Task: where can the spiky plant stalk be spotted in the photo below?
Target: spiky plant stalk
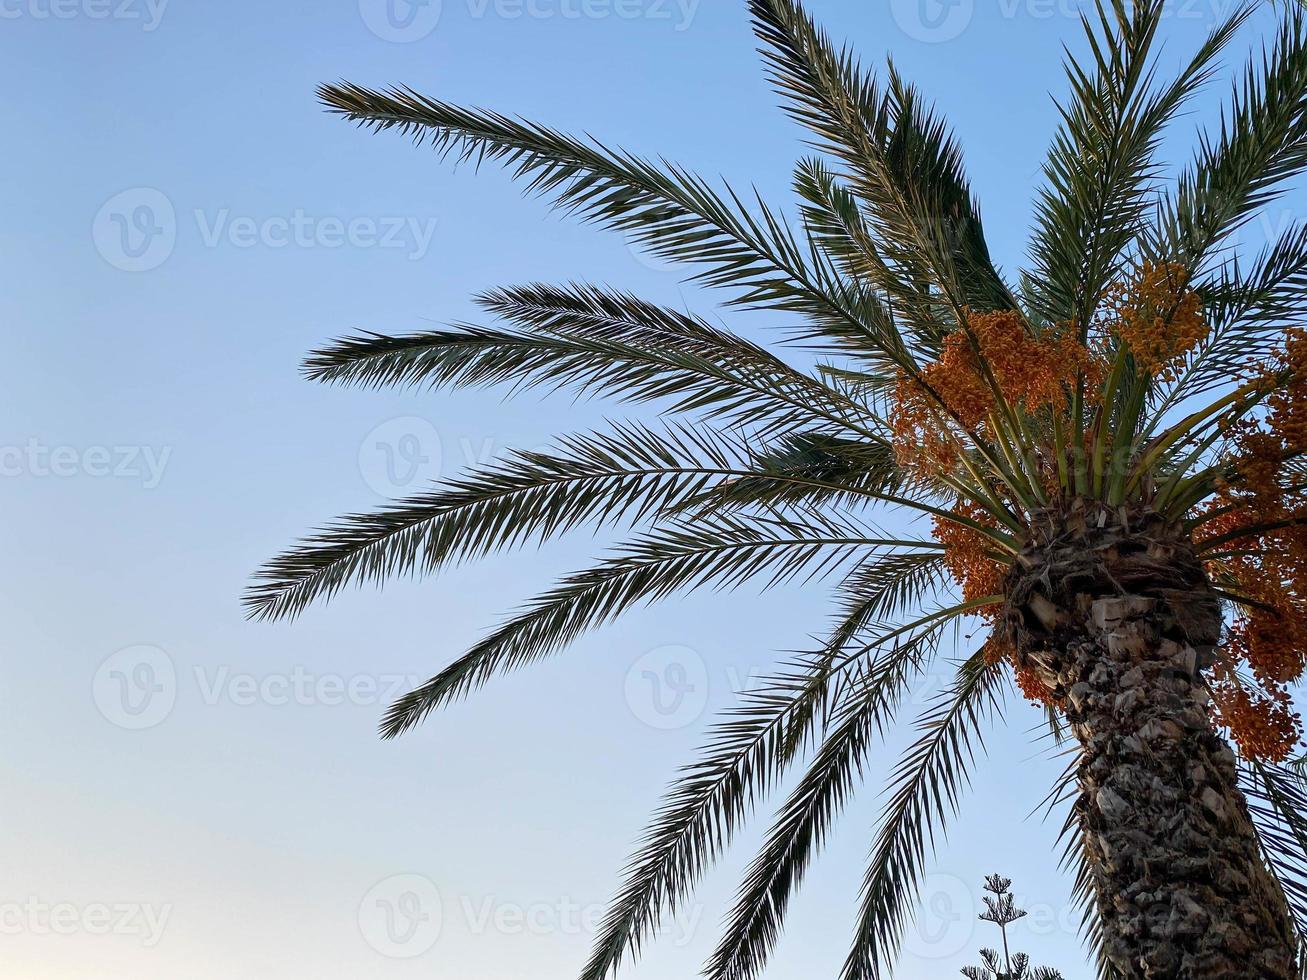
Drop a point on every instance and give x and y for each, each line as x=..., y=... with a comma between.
x=1002, y=911
x=1109, y=452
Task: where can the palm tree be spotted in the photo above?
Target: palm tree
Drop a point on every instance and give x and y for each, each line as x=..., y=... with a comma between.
x=1108, y=450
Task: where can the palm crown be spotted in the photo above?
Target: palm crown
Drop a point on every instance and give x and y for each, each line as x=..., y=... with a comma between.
x=1136, y=368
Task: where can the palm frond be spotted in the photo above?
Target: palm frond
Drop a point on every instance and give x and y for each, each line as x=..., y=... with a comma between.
x=1262, y=143
x=808, y=468
x=834, y=220
x=664, y=208
x=886, y=585
x=1277, y=800
x=897, y=156
x=745, y=756
x=619, y=478
x=925, y=790
x=594, y=341
x=594, y=313
x=804, y=820
x=626, y=474
x=1101, y=167
x=724, y=551
x=1075, y=861
x=1249, y=311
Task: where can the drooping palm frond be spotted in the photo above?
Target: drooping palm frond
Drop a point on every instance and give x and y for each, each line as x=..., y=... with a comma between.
x=628, y=472
x=1075, y=862
x=595, y=341
x=745, y=755
x=805, y=818
x=1277, y=799
x=673, y=557
x=888, y=586
x=744, y=758
x=924, y=791
x=625, y=475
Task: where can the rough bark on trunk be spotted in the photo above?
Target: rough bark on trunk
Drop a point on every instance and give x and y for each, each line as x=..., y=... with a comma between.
x=1112, y=612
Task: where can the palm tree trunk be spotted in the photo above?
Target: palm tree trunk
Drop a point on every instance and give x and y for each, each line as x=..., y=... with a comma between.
x=1182, y=890
x=1114, y=615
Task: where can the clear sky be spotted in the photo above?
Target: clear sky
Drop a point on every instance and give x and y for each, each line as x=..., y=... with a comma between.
x=186, y=794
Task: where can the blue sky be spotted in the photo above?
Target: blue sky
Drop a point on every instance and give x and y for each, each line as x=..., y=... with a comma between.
x=188, y=794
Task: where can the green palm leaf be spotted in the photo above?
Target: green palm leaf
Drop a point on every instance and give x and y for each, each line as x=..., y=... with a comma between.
x=631, y=472
x=665, y=209
x=924, y=791
x=1249, y=312
x=672, y=557
x=1101, y=168
x=806, y=816
x=898, y=158
x=596, y=341
x=1277, y=799
x=1262, y=143
x=744, y=758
